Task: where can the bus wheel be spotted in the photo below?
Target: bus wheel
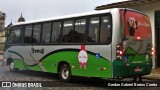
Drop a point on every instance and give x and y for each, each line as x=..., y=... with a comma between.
x=137, y=79
x=12, y=67
x=65, y=72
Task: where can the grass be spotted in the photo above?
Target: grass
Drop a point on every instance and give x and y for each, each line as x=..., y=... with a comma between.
x=1, y=47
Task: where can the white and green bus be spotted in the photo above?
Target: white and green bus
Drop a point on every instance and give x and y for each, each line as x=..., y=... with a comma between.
x=110, y=43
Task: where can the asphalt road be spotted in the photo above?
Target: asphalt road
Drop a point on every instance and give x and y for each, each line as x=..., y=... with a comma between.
x=78, y=83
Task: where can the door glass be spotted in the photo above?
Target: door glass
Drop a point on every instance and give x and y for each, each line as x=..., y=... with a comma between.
x=93, y=34
x=67, y=32
x=15, y=35
x=28, y=34
x=79, y=33
x=36, y=33
x=56, y=32
x=46, y=32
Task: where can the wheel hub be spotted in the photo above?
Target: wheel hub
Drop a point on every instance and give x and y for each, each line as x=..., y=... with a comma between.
x=11, y=65
x=65, y=73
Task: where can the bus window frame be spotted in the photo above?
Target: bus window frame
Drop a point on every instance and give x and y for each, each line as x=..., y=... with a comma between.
x=68, y=19
x=85, y=32
x=41, y=35
x=87, y=17
x=24, y=34
x=39, y=23
x=87, y=29
x=55, y=21
x=100, y=43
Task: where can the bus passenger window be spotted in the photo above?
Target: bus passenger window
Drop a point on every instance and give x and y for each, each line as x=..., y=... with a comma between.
x=46, y=33
x=105, y=31
x=15, y=35
x=67, y=32
x=36, y=33
x=28, y=34
x=93, y=34
x=56, y=32
x=79, y=33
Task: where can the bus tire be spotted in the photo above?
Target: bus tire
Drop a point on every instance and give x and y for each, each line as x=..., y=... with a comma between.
x=12, y=67
x=140, y=79
x=137, y=79
x=65, y=72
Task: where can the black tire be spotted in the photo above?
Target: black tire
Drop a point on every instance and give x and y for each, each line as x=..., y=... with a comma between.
x=12, y=67
x=140, y=79
x=65, y=72
x=137, y=79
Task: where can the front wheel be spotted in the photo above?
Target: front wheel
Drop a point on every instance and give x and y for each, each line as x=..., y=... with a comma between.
x=65, y=72
x=12, y=67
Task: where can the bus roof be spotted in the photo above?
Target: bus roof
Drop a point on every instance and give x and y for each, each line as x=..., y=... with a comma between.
x=63, y=17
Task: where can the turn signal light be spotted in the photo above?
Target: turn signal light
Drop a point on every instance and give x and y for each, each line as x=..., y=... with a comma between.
x=119, y=51
x=152, y=51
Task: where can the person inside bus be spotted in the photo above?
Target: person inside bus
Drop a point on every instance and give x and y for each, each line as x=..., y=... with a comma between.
x=68, y=37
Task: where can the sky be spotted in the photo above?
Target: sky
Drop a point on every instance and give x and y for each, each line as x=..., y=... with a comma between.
x=40, y=9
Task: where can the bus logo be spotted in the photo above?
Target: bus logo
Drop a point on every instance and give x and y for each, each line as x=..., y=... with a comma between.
x=83, y=57
x=126, y=58
x=138, y=69
x=37, y=51
x=97, y=55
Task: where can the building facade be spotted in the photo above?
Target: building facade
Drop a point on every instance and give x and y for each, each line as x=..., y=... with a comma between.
x=5, y=30
x=2, y=26
x=150, y=8
x=21, y=19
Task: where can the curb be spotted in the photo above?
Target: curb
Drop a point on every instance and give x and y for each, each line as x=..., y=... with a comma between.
x=151, y=78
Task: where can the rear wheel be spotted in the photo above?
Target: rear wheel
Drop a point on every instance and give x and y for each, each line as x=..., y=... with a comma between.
x=12, y=67
x=137, y=78
x=65, y=72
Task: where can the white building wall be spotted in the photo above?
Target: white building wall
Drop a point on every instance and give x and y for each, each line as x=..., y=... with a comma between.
x=149, y=9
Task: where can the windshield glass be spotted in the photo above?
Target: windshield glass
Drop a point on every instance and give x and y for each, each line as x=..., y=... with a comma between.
x=137, y=25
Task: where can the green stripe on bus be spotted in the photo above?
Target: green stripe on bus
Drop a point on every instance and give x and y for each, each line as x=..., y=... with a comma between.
x=16, y=54
x=92, y=68
x=19, y=63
